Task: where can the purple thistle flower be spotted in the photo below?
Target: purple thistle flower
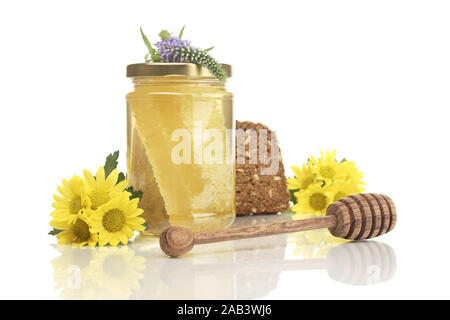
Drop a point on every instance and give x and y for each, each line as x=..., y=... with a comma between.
x=169, y=48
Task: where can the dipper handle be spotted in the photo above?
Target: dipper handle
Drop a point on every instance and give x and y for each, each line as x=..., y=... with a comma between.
x=176, y=240
x=264, y=230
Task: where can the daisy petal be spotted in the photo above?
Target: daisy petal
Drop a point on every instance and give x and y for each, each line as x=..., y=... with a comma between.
x=112, y=179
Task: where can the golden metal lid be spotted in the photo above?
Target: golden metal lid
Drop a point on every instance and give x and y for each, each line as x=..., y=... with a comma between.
x=160, y=69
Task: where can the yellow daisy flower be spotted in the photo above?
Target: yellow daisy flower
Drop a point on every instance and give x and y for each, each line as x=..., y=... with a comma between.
x=116, y=220
x=322, y=181
x=315, y=199
x=349, y=171
x=326, y=166
x=78, y=234
x=68, y=205
x=99, y=190
x=303, y=177
x=344, y=188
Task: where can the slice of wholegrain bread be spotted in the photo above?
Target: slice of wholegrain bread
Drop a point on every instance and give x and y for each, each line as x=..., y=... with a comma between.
x=260, y=181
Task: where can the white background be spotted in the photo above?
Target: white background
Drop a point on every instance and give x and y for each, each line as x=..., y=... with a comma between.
x=369, y=78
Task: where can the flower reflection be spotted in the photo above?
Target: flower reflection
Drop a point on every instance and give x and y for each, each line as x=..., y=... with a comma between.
x=69, y=272
x=314, y=243
x=97, y=273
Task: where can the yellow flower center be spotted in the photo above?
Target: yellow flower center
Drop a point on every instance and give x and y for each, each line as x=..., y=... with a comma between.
x=113, y=220
x=75, y=205
x=307, y=181
x=339, y=195
x=81, y=231
x=98, y=198
x=327, y=172
x=318, y=201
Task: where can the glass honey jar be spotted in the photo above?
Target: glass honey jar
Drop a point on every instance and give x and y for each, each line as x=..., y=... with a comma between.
x=180, y=146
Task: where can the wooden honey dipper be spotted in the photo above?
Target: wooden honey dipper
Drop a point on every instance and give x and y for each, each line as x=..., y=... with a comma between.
x=356, y=217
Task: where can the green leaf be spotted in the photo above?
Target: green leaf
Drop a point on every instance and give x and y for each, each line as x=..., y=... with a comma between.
x=209, y=49
x=151, y=50
x=289, y=213
x=156, y=57
x=152, y=57
x=111, y=163
x=146, y=226
x=164, y=34
x=181, y=32
x=121, y=177
x=135, y=193
x=54, y=232
x=293, y=197
x=343, y=160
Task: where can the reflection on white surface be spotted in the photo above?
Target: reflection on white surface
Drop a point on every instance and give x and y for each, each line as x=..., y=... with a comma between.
x=241, y=269
x=97, y=273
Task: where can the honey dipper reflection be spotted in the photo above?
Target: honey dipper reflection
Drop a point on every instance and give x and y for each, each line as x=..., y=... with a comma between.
x=252, y=269
x=174, y=278
x=355, y=263
x=257, y=265
x=360, y=263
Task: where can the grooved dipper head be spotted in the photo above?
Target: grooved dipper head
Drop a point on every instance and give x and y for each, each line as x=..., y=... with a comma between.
x=363, y=216
x=176, y=241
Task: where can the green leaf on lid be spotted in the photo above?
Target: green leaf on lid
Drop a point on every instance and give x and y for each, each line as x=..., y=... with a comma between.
x=181, y=32
x=151, y=50
x=164, y=34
